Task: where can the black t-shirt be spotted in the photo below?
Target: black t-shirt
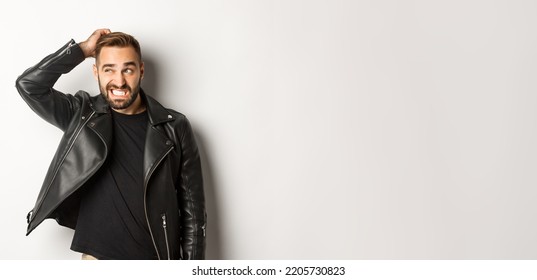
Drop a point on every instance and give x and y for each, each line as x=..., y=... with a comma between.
x=111, y=222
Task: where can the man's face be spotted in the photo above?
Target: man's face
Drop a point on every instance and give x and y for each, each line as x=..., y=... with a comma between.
x=119, y=72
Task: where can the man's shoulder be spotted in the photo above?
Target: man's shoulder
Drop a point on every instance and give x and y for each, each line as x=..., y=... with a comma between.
x=85, y=96
x=95, y=102
x=82, y=97
x=159, y=112
x=176, y=114
x=179, y=120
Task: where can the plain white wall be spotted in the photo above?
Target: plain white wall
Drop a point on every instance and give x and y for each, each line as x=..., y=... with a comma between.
x=328, y=129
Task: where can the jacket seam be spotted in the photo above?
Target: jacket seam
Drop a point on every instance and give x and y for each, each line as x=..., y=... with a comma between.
x=191, y=204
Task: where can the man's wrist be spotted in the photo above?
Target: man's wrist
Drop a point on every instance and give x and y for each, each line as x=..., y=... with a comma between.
x=83, y=47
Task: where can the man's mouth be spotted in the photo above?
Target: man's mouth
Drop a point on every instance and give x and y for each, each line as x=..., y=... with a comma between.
x=119, y=92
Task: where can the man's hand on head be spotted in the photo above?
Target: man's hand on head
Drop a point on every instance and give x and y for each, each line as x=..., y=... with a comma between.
x=88, y=46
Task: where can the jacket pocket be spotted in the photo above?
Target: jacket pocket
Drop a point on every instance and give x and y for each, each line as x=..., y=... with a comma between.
x=165, y=229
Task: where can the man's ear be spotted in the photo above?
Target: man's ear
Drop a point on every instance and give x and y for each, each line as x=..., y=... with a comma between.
x=142, y=70
x=95, y=72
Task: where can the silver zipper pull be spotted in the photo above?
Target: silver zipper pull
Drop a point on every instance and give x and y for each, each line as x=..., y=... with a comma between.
x=165, y=235
x=29, y=216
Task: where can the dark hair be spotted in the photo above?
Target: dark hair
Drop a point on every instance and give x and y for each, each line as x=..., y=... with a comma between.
x=117, y=39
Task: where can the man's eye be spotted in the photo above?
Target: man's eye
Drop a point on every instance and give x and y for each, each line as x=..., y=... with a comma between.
x=128, y=71
x=107, y=70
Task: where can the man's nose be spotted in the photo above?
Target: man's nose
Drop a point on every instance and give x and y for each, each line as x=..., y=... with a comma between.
x=119, y=79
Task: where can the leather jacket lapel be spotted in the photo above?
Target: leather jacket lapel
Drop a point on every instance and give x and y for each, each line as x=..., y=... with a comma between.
x=158, y=144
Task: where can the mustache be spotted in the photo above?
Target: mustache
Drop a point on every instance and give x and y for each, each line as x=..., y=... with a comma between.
x=112, y=87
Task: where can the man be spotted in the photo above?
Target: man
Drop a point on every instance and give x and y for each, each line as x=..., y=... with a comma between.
x=127, y=174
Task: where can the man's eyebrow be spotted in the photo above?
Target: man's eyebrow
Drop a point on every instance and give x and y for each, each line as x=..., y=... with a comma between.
x=128, y=63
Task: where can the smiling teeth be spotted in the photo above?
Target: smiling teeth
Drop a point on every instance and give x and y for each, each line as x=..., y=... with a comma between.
x=118, y=92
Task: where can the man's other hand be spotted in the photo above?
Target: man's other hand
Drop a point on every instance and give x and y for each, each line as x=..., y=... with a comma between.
x=88, y=46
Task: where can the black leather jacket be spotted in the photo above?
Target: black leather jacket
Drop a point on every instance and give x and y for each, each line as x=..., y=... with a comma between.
x=174, y=198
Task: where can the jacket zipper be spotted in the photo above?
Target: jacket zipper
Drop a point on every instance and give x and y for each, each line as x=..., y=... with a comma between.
x=166, y=234
x=37, y=208
x=145, y=199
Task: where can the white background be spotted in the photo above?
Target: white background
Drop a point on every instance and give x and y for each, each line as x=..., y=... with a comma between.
x=328, y=129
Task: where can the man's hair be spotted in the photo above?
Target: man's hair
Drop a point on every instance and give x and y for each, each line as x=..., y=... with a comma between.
x=117, y=39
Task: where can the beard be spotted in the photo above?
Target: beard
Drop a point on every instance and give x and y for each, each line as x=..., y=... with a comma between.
x=120, y=104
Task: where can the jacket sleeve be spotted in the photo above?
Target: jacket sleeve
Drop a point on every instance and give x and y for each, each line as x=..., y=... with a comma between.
x=35, y=85
x=191, y=198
